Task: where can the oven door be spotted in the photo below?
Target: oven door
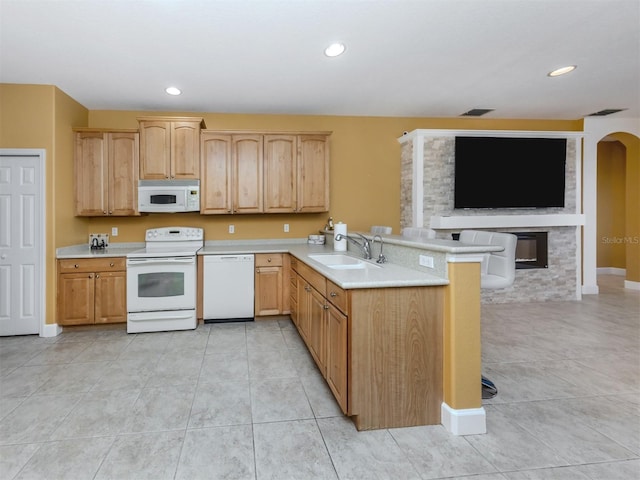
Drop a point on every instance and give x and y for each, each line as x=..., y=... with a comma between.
x=161, y=284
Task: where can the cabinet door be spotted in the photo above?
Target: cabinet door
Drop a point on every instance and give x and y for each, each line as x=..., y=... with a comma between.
x=317, y=330
x=185, y=150
x=313, y=173
x=75, y=298
x=91, y=174
x=304, y=297
x=337, y=355
x=123, y=149
x=280, y=173
x=268, y=294
x=155, y=150
x=110, y=297
x=247, y=154
x=215, y=166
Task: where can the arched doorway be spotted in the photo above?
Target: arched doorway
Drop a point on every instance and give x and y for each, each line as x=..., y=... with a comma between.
x=617, y=139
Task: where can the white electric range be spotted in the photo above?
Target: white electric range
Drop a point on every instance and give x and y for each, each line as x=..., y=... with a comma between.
x=161, y=281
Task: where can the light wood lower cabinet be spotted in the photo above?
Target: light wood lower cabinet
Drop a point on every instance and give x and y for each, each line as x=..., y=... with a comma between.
x=91, y=291
x=379, y=349
x=268, y=284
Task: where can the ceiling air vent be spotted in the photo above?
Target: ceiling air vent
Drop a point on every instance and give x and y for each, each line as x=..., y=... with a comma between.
x=606, y=111
x=476, y=112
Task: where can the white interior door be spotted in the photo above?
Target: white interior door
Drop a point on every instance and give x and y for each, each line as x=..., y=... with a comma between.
x=21, y=241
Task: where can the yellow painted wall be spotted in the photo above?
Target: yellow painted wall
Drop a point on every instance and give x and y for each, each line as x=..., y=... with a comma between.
x=364, y=171
x=611, y=251
x=33, y=116
x=632, y=205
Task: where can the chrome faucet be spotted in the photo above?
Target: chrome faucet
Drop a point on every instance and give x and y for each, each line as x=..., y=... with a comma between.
x=381, y=257
x=365, y=245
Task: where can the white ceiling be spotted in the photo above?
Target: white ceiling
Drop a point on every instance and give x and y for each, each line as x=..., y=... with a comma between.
x=422, y=58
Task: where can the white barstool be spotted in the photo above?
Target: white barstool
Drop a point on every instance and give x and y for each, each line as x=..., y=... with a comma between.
x=498, y=270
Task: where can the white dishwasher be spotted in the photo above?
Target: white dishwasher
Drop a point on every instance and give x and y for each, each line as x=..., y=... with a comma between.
x=228, y=289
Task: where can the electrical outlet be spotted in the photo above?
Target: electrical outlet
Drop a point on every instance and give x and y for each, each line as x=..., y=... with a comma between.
x=232, y=229
x=114, y=231
x=426, y=261
x=286, y=228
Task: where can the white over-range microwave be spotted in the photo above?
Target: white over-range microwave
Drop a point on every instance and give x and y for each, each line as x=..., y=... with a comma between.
x=168, y=196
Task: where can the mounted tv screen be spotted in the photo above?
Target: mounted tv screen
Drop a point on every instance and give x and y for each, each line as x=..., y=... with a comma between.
x=502, y=172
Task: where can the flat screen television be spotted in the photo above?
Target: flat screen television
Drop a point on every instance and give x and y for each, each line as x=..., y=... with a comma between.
x=506, y=172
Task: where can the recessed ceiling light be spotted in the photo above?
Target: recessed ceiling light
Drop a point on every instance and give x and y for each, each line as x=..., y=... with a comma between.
x=561, y=71
x=173, y=90
x=334, y=50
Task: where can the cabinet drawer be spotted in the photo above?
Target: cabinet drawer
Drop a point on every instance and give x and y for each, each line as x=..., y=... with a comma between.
x=69, y=265
x=337, y=296
x=316, y=280
x=269, y=260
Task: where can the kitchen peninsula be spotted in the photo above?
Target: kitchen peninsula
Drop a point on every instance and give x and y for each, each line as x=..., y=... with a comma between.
x=398, y=343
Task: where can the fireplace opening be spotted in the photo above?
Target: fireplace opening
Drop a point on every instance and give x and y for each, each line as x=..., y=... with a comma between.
x=531, y=250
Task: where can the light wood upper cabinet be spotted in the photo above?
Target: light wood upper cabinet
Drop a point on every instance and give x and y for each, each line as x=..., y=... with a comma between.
x=249, y=172
x=231, y=173
x=106, y=172
x=216, y=170
x=313, y=173
x=280, y=152
x=247, y=154
x=170, y=147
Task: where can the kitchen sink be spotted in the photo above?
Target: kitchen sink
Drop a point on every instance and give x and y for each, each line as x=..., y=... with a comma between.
x=341, y=262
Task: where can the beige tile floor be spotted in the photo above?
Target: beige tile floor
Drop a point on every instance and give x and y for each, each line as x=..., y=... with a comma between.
x=240, y=401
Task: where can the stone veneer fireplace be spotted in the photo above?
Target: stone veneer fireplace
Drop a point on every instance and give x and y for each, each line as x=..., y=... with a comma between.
x=427, y=186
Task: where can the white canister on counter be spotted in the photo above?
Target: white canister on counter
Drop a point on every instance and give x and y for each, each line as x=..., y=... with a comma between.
x=340, y=245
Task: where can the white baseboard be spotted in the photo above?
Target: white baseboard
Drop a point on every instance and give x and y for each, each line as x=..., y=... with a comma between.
x=611, y=271
x=469, y=421
x=590, y=289
x=50, y=330
x=631, y=285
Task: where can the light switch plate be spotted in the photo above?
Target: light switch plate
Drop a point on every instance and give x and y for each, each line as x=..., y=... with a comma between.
x=99, y=237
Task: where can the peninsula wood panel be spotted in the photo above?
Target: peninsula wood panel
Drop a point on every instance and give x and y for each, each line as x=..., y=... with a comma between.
x=395, y=338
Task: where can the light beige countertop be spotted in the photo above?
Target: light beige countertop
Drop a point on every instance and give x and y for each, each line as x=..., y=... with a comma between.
x=83, y=251
x=377, y=276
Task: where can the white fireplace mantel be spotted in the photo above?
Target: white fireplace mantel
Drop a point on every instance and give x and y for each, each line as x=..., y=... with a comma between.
x=505, y=221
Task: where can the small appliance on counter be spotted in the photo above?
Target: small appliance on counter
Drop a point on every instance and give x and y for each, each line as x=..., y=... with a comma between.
x=98, y=241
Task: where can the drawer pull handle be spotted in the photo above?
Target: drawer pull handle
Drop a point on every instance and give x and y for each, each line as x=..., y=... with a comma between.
x=333, y=294
x=76, y=266
x=111, y=264
x=269, y=259
x=257, y=270
x=97, y=275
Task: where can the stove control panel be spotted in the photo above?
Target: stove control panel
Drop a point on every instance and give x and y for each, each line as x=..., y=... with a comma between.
x=174, y=234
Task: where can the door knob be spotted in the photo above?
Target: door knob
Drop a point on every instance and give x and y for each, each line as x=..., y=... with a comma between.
x=3, y=256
